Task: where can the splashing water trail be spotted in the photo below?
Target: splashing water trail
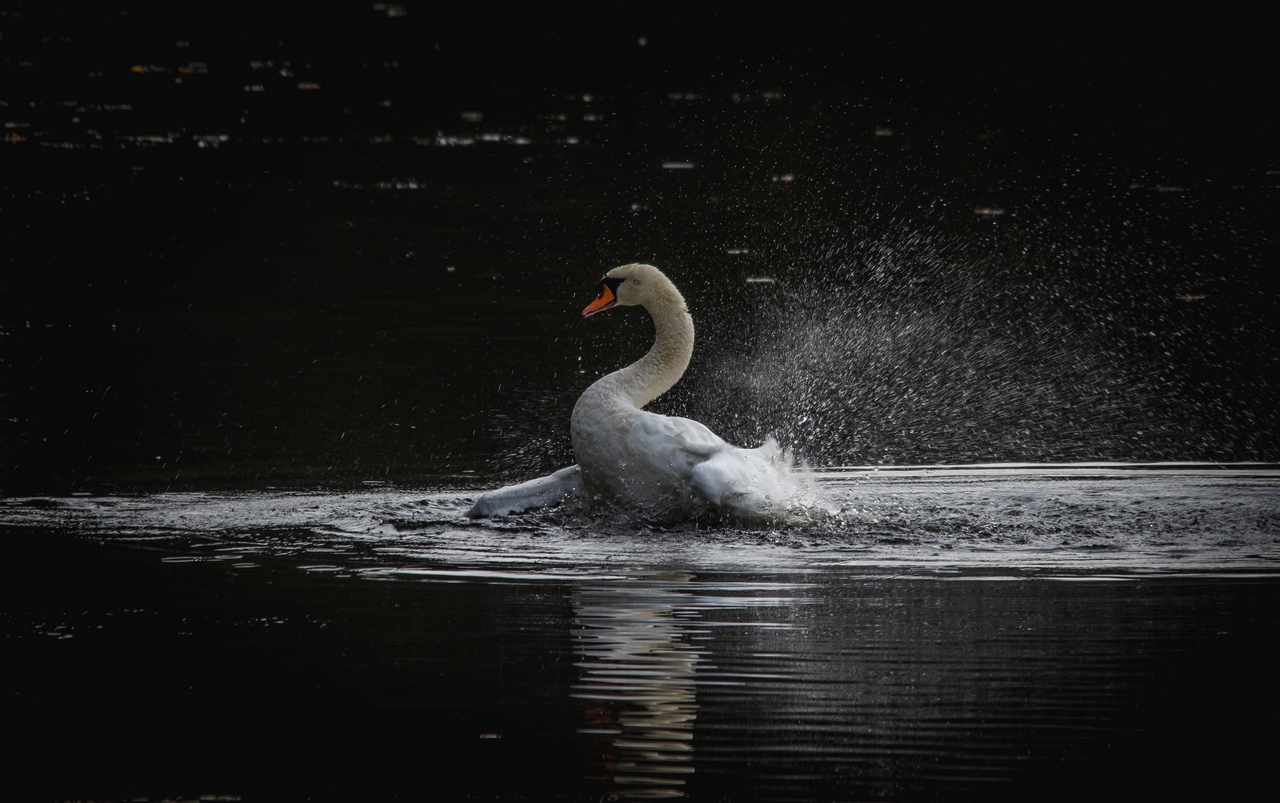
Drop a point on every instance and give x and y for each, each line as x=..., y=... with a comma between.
x=910, y=349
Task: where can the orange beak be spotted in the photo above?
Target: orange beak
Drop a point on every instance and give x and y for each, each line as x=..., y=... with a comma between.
x=603, y=301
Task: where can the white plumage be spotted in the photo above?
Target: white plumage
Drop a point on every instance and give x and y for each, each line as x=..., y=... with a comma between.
x=640, y=462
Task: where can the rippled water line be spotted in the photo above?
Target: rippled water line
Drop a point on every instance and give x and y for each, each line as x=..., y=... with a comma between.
x=1012, y=523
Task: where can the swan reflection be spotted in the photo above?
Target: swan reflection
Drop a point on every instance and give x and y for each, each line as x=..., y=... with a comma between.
x=638, y=676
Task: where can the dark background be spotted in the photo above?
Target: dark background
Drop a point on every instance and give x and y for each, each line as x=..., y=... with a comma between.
x=208, y=286
x=214, y=278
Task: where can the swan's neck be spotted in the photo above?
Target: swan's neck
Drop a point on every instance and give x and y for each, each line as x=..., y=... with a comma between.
x=654, y=373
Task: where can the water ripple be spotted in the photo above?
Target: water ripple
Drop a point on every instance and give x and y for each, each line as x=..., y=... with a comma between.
x=1096, y=520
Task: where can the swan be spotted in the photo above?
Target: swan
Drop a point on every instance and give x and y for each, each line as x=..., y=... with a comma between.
x=657, y=466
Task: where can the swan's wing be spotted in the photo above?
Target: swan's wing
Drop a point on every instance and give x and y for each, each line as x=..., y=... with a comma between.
x=666, y=462
x=646, y=458
x=542, y=492
x=742, y=479
x=684, y=433
x=752, y=481
x=756, y=481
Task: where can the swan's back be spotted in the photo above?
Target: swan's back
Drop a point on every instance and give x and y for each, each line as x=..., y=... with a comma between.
x=667, y=467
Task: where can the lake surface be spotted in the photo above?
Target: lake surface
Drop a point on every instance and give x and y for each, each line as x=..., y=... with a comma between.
x=278, y=300
x=964, y=633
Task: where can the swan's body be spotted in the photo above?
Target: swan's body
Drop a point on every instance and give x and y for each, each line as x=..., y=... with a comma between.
x=655, y=465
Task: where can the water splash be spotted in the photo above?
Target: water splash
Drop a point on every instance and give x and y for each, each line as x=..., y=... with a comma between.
x=901, y=345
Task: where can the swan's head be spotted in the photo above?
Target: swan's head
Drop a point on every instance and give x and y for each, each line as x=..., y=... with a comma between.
x=629, y=286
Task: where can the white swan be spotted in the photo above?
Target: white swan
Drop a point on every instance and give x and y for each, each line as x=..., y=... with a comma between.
x=655, y=465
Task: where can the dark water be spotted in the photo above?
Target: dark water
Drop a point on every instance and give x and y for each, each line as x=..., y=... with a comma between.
x=280, y=292
x=138, y=672
x=981, y=633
